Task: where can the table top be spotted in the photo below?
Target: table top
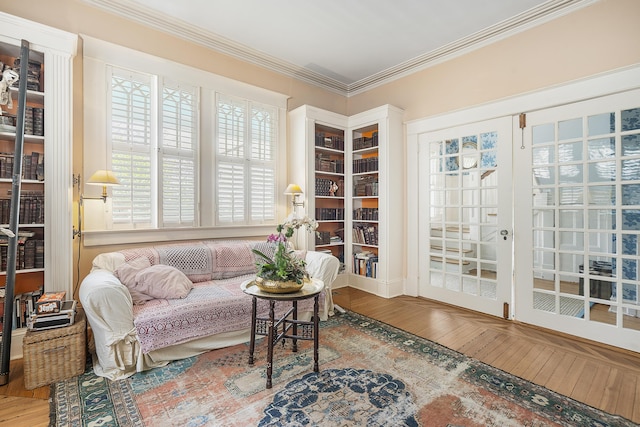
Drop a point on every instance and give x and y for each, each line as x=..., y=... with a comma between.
x=308, y=290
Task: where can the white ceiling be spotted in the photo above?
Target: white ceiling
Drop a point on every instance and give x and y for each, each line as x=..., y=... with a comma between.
x=346, y=46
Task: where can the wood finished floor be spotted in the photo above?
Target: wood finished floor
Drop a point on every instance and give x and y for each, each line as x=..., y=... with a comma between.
x=601, y=376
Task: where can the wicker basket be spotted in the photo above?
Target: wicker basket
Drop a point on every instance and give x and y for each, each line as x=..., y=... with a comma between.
x=54, y=354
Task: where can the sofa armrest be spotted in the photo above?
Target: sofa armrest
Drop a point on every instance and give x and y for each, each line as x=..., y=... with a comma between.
x=109, y=310
x=324, y=267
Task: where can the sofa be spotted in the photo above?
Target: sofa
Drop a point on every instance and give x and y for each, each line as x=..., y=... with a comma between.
x=151, y=305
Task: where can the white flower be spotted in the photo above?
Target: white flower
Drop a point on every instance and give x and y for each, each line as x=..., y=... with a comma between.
x=293, y=222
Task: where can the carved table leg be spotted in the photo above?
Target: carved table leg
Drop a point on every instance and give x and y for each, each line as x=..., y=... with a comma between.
x=252, y=344
x=270, y=342
x=295, y=326
x=316, y=333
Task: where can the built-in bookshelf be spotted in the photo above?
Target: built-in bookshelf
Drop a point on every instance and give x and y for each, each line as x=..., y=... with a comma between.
x=30, y=255
x=317, y=142
x=369, y=238
x=44, y=259
x=376, y=225
x=329, y=190
x=364, y=201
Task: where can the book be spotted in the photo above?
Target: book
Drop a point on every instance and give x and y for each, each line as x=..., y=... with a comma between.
x=50, y=302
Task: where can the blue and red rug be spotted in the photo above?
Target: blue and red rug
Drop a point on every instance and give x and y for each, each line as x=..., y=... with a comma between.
x=371, y=374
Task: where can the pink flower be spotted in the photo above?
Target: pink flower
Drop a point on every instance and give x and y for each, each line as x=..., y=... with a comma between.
x=274, y=238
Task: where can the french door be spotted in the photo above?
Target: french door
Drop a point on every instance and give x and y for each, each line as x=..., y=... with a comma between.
x=577, y=222
x=465, y=218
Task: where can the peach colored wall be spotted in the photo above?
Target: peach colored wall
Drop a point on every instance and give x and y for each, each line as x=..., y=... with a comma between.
x=592, y=40
x=589, y=41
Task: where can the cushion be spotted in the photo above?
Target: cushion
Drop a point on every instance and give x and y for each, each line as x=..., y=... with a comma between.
x=193, y=259
x=127, y=272
x=163, y=282
x=233, y=260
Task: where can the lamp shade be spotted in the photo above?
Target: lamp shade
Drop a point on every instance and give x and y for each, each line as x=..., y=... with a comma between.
x=103, y=177
x=293, y=189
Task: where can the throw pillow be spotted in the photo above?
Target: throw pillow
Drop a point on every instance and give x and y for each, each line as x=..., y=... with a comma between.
x=163, y=282
x=126, y=273
x=233, y=260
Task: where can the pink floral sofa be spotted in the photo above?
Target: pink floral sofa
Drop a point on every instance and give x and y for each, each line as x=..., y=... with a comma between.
x=148, y=306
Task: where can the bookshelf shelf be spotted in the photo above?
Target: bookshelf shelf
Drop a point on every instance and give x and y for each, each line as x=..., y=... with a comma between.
x=25, y=271
x=34, y=139
x=328, y=245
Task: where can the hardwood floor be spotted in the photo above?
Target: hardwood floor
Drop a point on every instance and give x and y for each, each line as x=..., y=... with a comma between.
x=601, y=376
x=20, y=407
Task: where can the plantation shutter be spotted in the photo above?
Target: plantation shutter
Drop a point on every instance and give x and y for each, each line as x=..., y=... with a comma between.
x=245, y=161
x=262, y=164
x=178, y=156
x=130, y=127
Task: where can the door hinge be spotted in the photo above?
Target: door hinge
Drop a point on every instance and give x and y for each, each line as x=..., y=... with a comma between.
x=523, y=120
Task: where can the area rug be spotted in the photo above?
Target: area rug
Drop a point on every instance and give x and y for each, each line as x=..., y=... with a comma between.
x=371, y=374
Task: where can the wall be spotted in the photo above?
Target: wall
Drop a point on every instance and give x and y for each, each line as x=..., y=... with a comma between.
x=592, y=40
x=589, y=41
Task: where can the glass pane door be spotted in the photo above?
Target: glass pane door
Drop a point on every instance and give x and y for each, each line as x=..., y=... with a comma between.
x=577, y=253
x=465, y=216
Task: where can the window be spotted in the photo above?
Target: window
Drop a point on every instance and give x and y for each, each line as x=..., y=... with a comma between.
x=198, y=155
x=245, y=161
x=156, y=169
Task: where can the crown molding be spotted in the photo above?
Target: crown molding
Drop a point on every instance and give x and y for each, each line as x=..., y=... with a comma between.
x=171, y=25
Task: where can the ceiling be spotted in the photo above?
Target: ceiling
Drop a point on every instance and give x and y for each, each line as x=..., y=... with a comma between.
x=346, y=46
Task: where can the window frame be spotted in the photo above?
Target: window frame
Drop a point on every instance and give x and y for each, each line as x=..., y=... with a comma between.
x=97, y=229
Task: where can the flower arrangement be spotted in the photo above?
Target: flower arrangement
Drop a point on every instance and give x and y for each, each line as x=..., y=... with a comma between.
x=285, y=266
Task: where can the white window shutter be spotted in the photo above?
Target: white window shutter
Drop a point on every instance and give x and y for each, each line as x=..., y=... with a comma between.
x=131, y=156
x=178, y=155
x=245, y=145
x=231, y=184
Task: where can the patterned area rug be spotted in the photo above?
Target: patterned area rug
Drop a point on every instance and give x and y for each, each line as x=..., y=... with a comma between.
x=371, y=374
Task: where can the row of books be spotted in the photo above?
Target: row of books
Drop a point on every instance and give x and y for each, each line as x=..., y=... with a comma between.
x=367, y=164
x=329, y=214
x=34, y=69
x=329, y=187
x=365, y=264
x=325, y=237
x=365, y=142
x=38, y=310
x=30, y=253
x=34, y=121
x=335, y=142
x=23, y=308
x=365, y=234
x=326, y=164
x=31, y=209
x=365, y=186
x=32, y=166
x=365, y=214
